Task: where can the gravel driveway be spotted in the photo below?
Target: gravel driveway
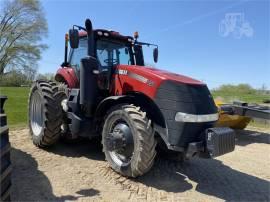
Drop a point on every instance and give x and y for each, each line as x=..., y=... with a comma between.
x=78, y=172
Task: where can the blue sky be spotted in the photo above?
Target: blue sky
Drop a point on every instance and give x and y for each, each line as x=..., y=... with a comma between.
x=187, y=32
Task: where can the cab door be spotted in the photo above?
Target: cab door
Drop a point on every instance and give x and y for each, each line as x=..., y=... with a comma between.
x=77, y=54
x=110, y=54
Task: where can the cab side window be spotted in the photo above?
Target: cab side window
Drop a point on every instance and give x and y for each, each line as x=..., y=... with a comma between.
x=78, y=53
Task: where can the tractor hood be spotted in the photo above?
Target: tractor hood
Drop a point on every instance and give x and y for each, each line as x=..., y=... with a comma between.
x=171, y=94
x=148, y=80
x=157, y=75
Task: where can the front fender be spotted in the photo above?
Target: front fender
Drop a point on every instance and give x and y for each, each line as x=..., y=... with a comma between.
x=108, y=102
x=141, y=100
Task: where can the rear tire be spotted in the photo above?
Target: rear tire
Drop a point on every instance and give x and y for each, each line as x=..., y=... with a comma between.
x=5, y=158
x=45, y=113
x=144, y=142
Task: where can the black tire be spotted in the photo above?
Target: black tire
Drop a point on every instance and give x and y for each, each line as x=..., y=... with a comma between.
x=143, y=136
x=5, y=155
x=45, y=113
x=61, y=93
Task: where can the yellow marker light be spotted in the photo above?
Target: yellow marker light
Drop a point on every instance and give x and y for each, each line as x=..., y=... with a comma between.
x=66, y=37
x=136, y=35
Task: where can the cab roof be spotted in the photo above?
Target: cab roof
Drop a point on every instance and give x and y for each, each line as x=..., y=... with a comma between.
x=107, y=33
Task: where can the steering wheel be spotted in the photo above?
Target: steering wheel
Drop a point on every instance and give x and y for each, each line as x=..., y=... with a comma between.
x=111, y=61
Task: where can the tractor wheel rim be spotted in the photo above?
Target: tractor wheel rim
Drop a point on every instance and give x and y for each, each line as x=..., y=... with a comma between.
x=123, y=155
x=36, y=114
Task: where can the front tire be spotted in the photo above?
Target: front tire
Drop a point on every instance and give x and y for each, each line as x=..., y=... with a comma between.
x=45, y=113
x=128, y=140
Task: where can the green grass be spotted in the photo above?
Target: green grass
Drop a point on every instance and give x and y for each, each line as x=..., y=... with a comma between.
x=16, y=105
x=230, y=97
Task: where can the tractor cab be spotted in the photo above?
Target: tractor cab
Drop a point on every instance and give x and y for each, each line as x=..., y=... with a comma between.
x=109, y=48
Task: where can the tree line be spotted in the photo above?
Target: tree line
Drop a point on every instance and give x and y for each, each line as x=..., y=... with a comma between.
x=22, y=27
x=241, y=88
x=17, y=78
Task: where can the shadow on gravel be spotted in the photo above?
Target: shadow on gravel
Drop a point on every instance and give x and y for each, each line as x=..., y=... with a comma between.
x=91, y=149
x=165, y=176
x=212, y=178
x=245, y=137
x=211, y=175
x=219, y=180
x=31, y=184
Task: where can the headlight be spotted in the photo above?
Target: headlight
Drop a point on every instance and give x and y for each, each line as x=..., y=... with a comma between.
x=194, y=118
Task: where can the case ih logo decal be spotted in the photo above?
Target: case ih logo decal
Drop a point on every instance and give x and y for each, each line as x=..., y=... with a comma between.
x=135, y=76
x=122, y=72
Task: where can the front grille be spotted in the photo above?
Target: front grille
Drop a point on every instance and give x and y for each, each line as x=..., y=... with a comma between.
x=175, y=97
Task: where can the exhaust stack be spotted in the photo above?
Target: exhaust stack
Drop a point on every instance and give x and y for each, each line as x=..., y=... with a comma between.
x=88, y=75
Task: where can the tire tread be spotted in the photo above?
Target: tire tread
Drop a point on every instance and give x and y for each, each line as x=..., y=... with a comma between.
x=145, y=153
x=52, y=110
x=6, y=168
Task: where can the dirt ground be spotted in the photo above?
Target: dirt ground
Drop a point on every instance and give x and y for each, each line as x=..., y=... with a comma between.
x=78, y=171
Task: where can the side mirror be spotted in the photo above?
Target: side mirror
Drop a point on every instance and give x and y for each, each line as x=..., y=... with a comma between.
x=74, y=38
x=155, y=54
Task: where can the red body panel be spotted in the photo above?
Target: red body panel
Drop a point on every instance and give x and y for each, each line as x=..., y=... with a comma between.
x=145, y=80
x=131, y=78
x=69, y=76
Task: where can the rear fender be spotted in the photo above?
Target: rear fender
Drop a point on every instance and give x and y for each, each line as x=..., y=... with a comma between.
x=67, y=75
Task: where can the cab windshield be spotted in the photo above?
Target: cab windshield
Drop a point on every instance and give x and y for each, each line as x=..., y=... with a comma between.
x=110, y=53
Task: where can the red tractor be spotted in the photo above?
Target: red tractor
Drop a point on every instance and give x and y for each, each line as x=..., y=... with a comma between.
x=105, y=90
